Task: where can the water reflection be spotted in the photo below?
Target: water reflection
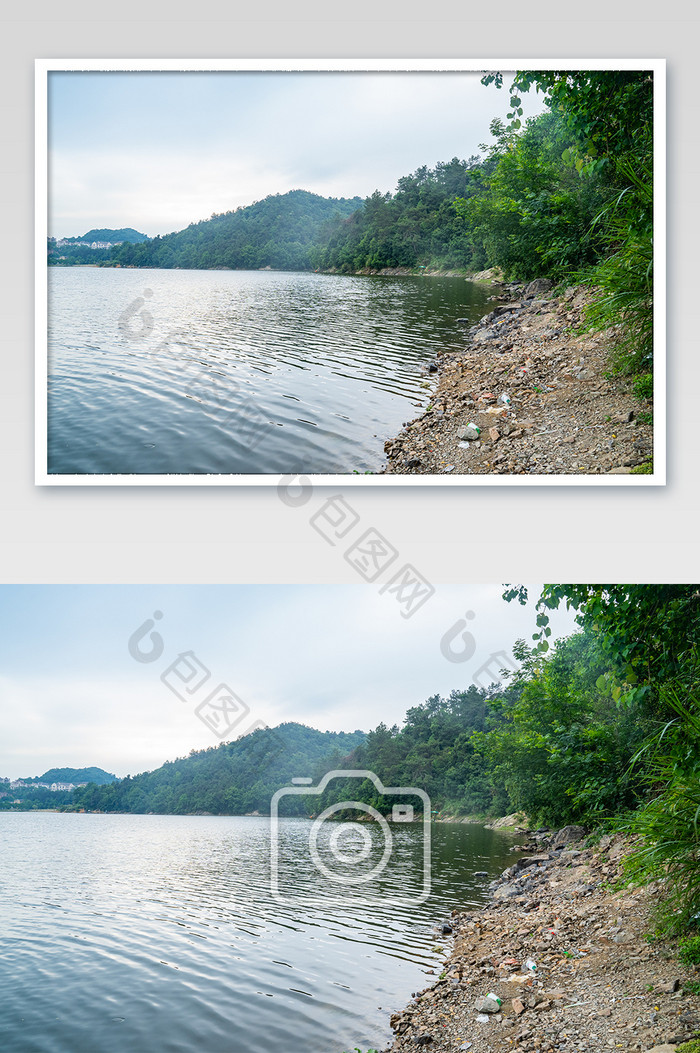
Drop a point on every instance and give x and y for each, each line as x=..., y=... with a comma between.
x=241, y=372
x=159, y=933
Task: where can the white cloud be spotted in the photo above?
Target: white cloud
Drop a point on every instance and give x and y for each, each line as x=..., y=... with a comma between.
x=159, y=154
x=337, y=658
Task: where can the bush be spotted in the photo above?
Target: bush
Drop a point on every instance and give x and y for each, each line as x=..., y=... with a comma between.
x=667, y=825
x=624, y=277
x=689, y=950
x=643, y=386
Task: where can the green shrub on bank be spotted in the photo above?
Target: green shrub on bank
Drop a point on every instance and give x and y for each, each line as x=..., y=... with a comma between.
x=624, y=277
x=643, y=386
x=667, y=825
x=689, y=950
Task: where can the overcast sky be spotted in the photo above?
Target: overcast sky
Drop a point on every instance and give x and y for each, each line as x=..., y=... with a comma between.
x=334, y=657
x=159, y=150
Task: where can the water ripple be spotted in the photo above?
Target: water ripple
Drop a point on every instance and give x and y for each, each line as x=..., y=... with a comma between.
x=206, y=389
x=159, y=934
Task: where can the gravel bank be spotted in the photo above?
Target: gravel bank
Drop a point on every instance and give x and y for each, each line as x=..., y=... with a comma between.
x=598, y=982
x=539, y=394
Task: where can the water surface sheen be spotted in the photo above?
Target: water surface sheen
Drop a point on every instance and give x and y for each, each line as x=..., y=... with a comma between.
x=158, y=934
x=229, y=372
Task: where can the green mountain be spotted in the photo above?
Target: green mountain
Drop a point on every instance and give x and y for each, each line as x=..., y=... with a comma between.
x=106, y=234
x=276, y=232
x=233, y=778
x=75, y=775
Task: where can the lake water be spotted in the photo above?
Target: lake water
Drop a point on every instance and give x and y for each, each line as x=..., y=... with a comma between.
x=240, y=372
x=159, y=934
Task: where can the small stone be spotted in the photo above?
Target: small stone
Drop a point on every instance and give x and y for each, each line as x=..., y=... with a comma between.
x=423, y=1040
x=488, y=1004
x=666, y=988
x=494, y=434
x=518, y=1007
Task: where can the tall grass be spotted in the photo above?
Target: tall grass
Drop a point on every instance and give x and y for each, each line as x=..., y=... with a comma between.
x=666, y=827
x=624, y=277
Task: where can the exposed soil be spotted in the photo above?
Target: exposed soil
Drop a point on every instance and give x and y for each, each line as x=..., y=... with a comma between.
x=599, y=981
x=541, y=395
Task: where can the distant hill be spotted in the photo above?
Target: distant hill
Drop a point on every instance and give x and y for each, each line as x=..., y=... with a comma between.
x=70, y=252
x=233, y=778
x=75, y=775
x=106, y=234
x=277, y=232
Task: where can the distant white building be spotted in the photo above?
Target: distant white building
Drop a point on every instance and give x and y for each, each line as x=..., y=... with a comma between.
x=62, y=786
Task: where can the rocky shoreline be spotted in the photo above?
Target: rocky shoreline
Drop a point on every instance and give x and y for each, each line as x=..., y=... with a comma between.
x=559, y=960
x=540, y=395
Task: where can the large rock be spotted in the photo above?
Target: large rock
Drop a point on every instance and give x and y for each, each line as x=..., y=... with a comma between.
x=529, y=861
x=567, y=834
x=503, y=892
x=537, y=287
x=515, y=819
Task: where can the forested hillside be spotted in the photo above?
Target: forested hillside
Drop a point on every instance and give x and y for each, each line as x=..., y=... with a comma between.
x=276, y=232
x=230, y=779
x=109, y=234
x=417, y=226
x=74, y=775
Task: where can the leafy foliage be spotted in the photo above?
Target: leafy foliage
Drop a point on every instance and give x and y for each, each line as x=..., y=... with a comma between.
x=609, y=114
x=624, y=276
x=667, y=823
x=647, y=637
x=417, y=226
x=530, y=212
x=432, y=751
x=647, y=631
x=560, y=748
